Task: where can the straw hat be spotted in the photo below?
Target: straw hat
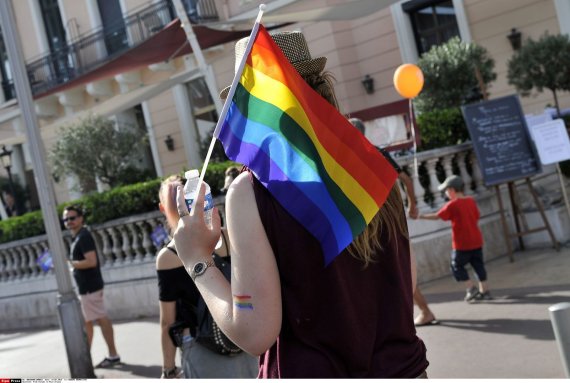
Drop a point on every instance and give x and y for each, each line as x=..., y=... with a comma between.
x=295, y=48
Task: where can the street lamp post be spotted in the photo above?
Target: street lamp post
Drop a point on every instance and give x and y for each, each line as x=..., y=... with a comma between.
x=69, y=310
x=6, y=158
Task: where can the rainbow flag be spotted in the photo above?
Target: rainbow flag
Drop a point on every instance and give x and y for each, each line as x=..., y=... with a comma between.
x=310, y=158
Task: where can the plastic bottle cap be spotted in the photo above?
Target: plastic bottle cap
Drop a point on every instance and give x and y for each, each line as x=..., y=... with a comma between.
x=194, y=173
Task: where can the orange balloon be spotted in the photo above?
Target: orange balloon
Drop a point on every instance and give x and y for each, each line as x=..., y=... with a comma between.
x=408, y=80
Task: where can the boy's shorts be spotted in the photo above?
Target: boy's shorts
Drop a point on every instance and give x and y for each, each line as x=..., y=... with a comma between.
x=461, y=258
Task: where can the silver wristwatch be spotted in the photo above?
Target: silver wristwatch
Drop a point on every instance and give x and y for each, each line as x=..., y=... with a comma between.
x=200, y=268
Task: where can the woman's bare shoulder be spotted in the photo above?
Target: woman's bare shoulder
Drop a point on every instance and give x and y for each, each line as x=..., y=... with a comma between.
x=167, y=259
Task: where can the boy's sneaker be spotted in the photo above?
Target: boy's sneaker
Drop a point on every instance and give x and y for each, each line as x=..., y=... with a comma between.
x=109, y=362
x=486, y=296
x=471, y=294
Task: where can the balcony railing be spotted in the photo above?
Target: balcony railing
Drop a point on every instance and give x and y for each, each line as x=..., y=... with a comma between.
x=91, y=50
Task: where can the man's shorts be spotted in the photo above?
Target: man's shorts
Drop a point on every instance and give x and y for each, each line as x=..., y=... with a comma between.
x=93, y=306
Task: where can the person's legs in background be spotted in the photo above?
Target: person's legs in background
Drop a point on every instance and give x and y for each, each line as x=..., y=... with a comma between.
x=108, y=335
x=458, y=261
x=425, y=317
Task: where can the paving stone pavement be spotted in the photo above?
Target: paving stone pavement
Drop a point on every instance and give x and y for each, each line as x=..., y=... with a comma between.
x=509, y=337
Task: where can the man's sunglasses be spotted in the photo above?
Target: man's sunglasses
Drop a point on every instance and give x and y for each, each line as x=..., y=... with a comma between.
x=70, y=219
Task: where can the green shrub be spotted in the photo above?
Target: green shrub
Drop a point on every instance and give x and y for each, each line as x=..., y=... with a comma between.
x=24, y=226
x=442, y=127
x=540, y=65
x=102, y=207
x=449, y=73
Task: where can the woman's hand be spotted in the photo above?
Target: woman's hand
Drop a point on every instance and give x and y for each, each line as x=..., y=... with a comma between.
x=194, y=240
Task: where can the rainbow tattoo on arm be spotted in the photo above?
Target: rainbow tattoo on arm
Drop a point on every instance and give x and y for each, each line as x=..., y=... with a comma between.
x=243, y=302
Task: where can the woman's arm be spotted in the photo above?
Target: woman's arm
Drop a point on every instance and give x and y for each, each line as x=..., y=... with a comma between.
x=167, y=318
x=248, y=311
x=409, y=186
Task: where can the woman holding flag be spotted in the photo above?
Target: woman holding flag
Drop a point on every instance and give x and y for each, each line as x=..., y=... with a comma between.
x=321, y=273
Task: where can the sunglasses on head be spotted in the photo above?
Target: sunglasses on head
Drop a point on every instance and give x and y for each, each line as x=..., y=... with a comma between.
x=70, y=219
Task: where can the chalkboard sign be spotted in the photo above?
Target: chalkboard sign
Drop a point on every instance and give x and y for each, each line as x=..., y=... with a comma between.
x=501, y=140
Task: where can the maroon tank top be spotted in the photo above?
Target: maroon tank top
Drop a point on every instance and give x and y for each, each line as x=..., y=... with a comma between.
x=339, y=321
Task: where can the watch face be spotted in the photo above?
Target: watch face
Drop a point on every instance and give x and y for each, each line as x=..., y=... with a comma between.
x=199, y=268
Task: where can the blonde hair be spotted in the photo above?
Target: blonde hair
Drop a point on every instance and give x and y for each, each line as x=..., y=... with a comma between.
x=322, y=83
x=391, y=217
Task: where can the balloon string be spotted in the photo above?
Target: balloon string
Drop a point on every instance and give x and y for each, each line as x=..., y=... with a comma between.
x=415, y=145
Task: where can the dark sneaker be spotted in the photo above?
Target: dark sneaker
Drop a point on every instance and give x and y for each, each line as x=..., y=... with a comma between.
x=486, y=296
x=109, y=362
x=471, y=294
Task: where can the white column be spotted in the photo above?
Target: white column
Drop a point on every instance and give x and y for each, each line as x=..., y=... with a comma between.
x=462, y=21
x=96, y=23
x=404, y=33
x=38, y=24
x=152, y=138
x=63, y=14
x=190, y=136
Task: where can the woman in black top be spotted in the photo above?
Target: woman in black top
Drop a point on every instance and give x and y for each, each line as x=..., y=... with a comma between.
x=179, y=297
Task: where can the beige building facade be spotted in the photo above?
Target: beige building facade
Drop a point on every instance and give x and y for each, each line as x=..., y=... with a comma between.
x=107, y=72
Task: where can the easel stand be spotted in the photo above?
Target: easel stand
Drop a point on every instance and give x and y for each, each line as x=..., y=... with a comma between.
x=519, y=215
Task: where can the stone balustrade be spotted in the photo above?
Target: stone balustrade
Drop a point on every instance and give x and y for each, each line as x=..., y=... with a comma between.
x=124, y=241
x=127, y=241
x=439, y=164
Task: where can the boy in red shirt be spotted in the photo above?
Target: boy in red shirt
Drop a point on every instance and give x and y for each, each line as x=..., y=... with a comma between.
x=466, y=237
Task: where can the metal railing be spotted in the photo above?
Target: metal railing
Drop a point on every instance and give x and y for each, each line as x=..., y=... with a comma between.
x=98, y=47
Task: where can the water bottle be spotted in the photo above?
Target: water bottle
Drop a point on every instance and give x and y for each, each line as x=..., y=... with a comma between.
x=191, y=192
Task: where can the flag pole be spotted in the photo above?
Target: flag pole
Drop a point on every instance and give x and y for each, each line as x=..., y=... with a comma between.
x=227, y=103
x=415, y=145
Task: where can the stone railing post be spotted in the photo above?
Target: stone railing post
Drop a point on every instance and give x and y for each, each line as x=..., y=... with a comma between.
x=37, y=250
x=126, y=244
x=433, y=181
x=4, y=271
x=31, y=264
x=115, y=246
x=477, y=176
x=461, y=156
x=419, y=191
x=136, y=243
x=15, y=264
x=447, y=165
x=146, y=243
x=105, y=248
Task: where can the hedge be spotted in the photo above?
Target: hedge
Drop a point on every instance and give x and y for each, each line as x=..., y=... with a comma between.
x=442, y=127
x=102, y=207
